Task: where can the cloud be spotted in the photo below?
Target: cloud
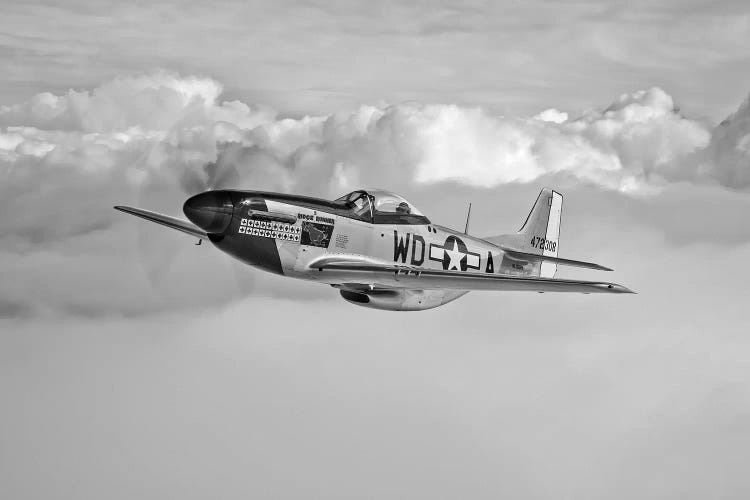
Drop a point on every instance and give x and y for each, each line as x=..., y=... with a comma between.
x=727, y=157
x=151, y=140
x=508, y=56
x=151, y=102
x=637, y=144
x=640, y=142
x=645, y=394
x=484, y=399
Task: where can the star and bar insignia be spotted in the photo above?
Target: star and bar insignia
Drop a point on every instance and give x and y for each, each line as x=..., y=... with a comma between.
x=454, y=255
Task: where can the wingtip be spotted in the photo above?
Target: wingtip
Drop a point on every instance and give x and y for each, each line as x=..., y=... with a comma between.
x=615, y=288
x=126, y=209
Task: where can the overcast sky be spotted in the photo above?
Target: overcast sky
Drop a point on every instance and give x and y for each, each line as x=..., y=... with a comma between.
x=134, y=364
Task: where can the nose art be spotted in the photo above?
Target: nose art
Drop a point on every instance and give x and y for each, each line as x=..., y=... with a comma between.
x=210, y=211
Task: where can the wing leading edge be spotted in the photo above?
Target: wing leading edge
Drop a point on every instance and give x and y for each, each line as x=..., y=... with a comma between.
x=165, y=220
x=419, y=278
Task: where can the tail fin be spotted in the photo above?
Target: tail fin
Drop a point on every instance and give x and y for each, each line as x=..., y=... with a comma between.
x=540, y=234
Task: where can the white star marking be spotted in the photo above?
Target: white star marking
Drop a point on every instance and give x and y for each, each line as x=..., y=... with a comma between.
x=455, y=255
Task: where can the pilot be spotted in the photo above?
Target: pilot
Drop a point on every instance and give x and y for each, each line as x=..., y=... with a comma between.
x=361, y=206
x=403, y=208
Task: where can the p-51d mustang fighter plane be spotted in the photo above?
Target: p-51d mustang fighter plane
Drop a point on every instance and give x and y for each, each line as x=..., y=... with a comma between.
x=377, y=248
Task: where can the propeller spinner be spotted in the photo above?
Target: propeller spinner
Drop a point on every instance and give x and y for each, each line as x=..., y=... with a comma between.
x=210, y=211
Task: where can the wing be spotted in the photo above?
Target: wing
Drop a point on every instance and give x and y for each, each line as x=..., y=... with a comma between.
x=351, y=268
x=165, y=220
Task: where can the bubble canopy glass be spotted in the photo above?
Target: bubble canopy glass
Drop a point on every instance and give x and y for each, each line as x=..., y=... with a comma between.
x=381, y=207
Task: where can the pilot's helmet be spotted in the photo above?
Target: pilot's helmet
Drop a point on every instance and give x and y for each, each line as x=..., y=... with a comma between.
x=403, y=208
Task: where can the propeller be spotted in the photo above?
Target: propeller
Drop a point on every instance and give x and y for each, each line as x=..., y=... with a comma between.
x=185, y=160
x=219, y=174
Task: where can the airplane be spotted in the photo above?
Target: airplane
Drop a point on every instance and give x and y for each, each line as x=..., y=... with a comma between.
x=378, y=249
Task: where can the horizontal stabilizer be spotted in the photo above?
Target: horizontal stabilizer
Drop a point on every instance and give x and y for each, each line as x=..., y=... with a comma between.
x=165, y=220
x=517, y=254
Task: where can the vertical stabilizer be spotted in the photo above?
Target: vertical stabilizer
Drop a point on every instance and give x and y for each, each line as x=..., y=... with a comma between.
x=540, y=233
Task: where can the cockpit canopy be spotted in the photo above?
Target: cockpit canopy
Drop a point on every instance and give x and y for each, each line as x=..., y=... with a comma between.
x=381, y=207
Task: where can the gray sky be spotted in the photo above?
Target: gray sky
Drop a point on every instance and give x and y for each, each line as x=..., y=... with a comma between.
x=134, y=364
x=513, y=57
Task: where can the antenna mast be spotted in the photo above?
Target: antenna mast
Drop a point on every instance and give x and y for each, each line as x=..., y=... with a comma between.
x=468, y=216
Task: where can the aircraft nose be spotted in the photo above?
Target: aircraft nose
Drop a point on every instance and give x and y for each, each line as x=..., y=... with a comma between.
x=210, y=211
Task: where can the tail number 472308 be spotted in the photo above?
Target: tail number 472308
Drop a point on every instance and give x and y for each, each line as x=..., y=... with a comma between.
x=543, y=244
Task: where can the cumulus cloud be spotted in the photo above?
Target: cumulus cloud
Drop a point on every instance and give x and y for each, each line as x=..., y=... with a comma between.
x=152, y=102
x=729, y=149
x=152, y=139
x=638, y=143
